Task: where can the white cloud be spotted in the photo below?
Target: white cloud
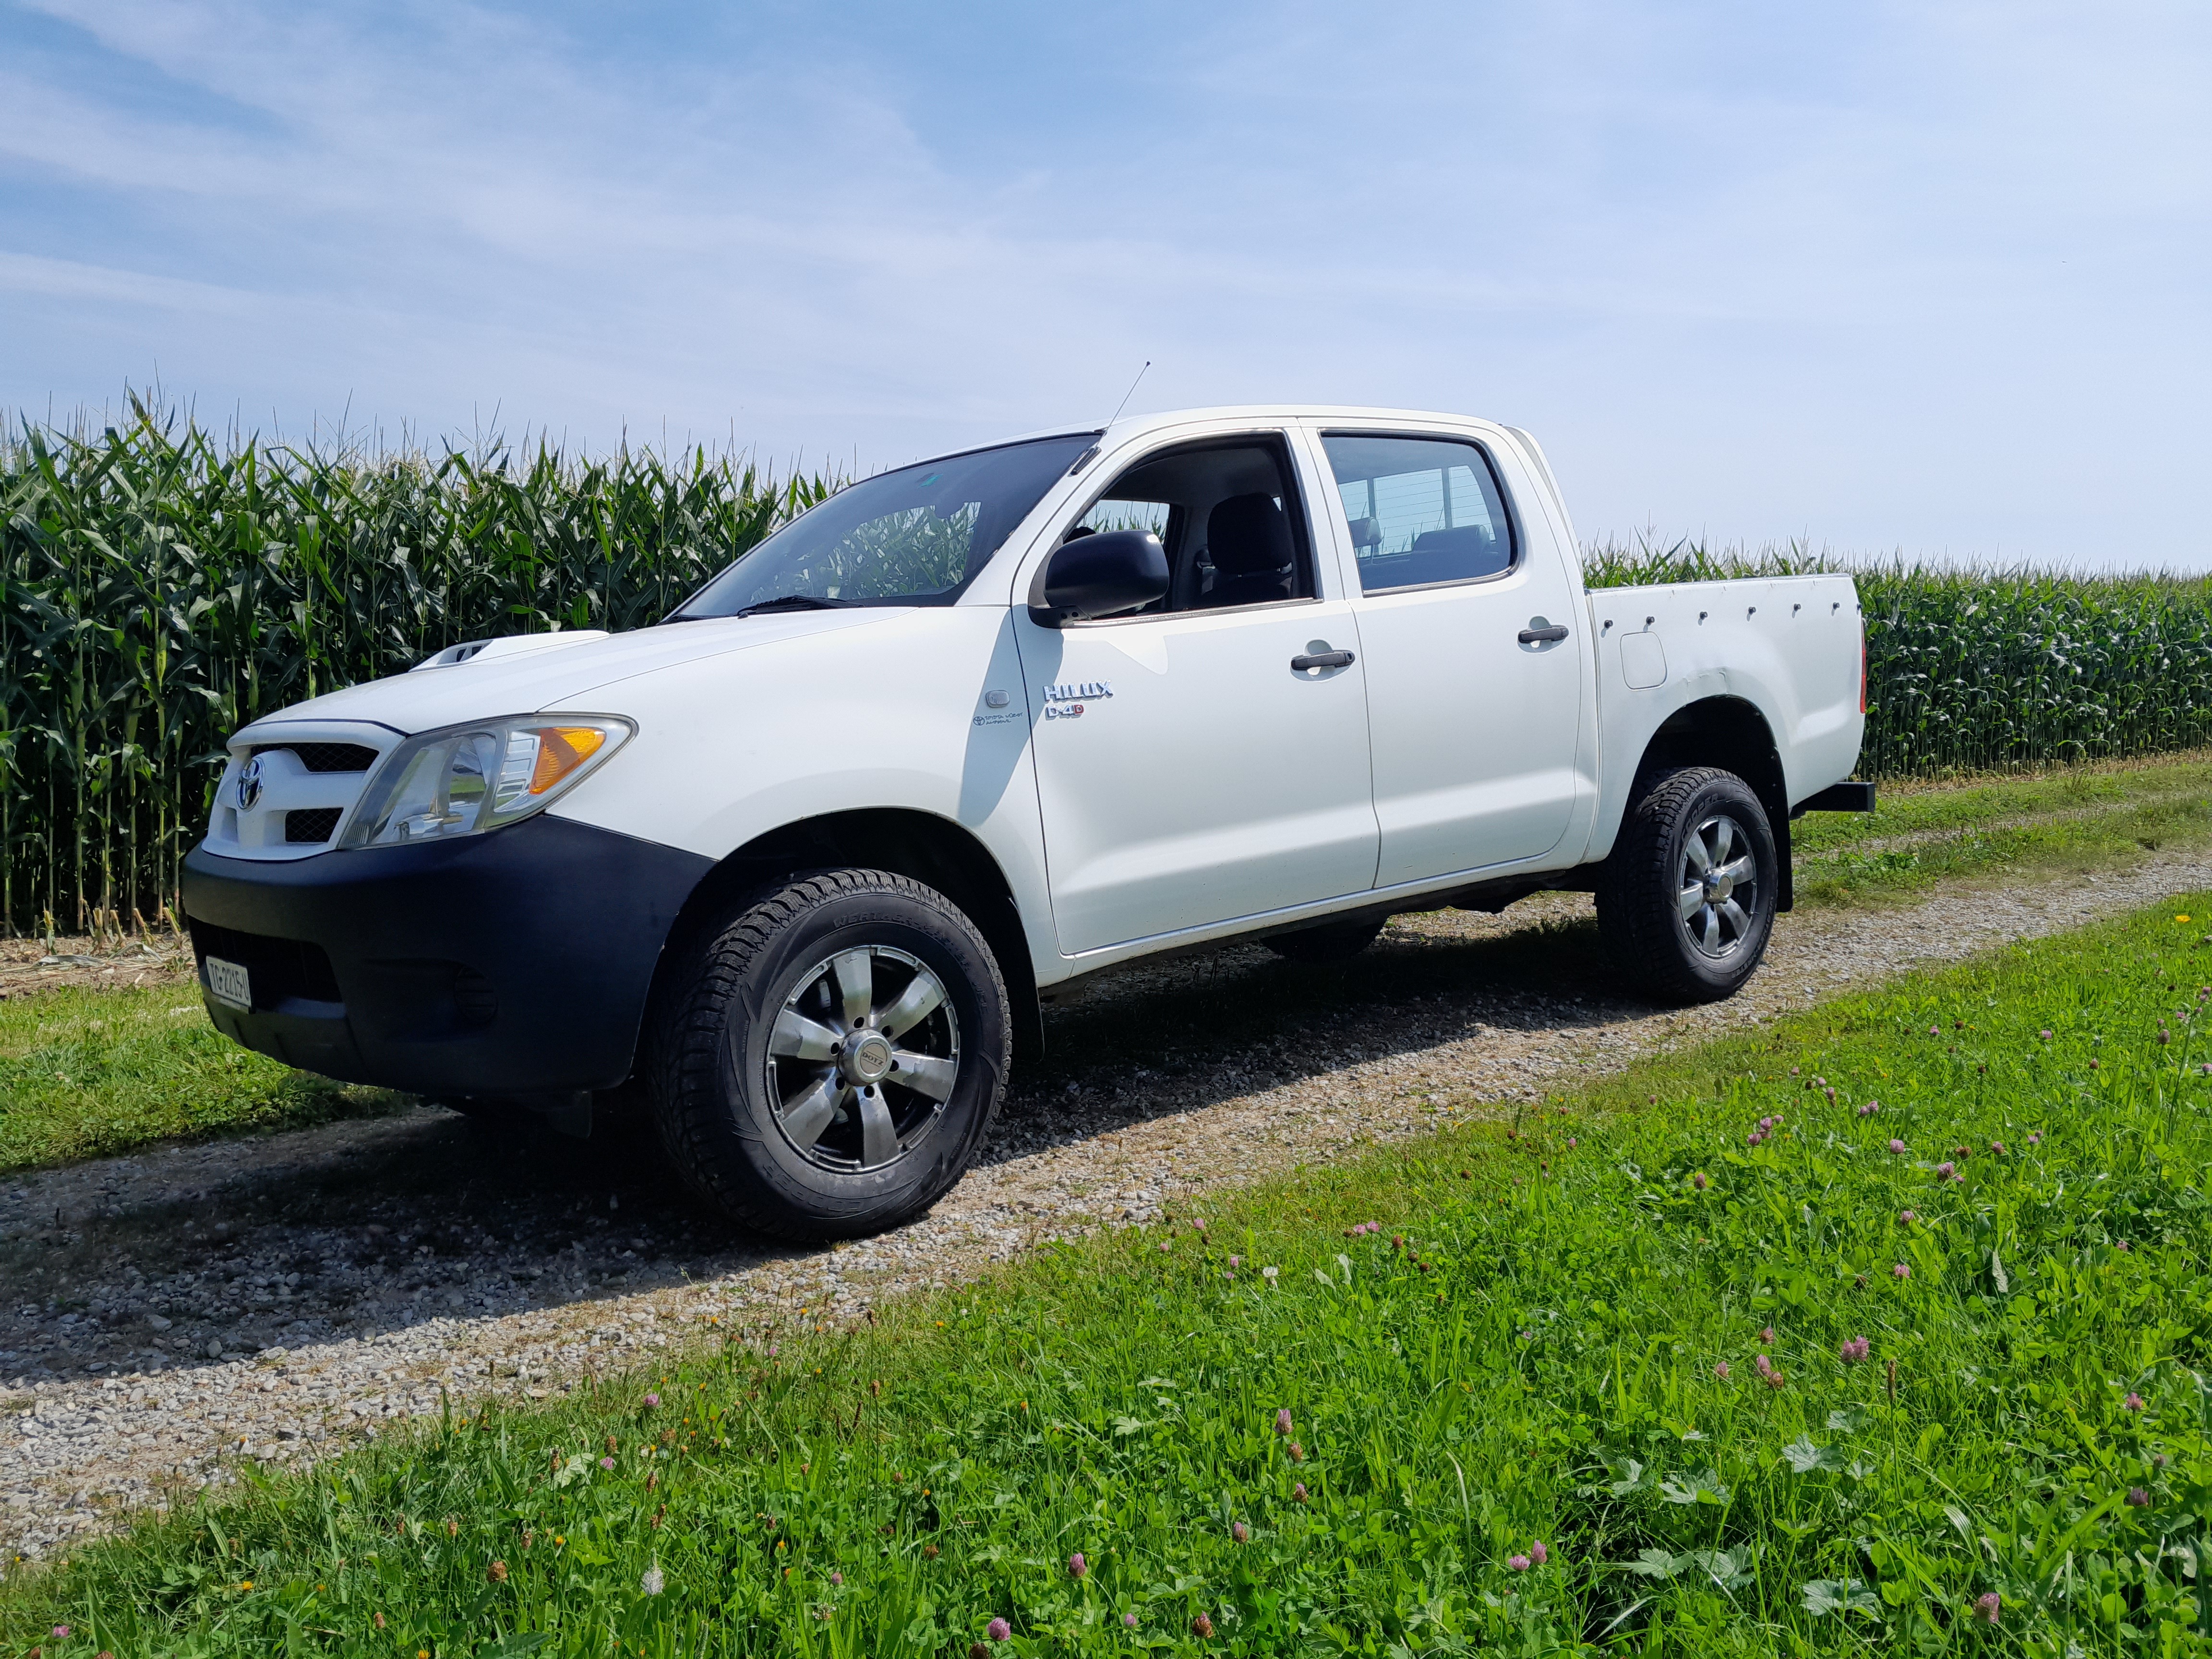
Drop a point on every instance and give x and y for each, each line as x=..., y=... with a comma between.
x=1858, y=272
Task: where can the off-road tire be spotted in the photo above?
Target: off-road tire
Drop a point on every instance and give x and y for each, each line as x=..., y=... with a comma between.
x=1333, y=941
x=708, y=1051
x=1640, y=895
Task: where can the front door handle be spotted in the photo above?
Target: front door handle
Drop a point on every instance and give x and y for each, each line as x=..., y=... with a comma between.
x=1542, y=635
x=1321, y=660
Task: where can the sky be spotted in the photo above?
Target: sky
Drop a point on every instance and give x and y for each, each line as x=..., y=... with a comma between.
x=1878, y=277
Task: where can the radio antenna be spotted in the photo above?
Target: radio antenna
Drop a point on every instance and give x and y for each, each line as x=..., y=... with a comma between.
x=1126, y=396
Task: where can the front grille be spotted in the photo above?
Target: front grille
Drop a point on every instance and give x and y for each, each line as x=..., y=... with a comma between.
x=313, y=824
x=281, y=969
x=327, y=756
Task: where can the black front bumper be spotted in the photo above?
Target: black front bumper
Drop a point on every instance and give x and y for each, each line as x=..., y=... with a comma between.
x=514, y=962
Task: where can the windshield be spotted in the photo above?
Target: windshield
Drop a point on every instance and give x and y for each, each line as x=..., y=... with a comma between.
x=914, y=536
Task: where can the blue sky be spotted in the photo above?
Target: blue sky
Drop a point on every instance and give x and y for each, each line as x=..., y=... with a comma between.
x=1923, y=277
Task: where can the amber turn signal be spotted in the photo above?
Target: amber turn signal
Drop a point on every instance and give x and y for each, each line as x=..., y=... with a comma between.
x=560, y=750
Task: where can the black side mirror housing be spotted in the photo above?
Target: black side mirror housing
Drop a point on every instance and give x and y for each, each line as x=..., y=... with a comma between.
x=1105, y=575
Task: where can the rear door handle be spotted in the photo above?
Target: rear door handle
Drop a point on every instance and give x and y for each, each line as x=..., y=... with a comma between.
x=1542, y=635
x=1321, y=660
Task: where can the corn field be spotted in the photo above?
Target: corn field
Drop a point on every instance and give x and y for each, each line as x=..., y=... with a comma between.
x=1995, y=670
x=161, y=587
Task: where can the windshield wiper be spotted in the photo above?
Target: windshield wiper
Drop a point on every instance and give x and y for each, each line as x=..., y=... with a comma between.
x=791, y=601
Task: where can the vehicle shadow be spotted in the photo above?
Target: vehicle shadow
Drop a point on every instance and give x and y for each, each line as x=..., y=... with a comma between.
x=1186, y=1034
x=352, y=1229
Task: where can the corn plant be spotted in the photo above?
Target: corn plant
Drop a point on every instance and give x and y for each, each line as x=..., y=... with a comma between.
x=160, y=587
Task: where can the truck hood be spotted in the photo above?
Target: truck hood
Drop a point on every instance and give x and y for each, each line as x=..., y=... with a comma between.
x=582, y=677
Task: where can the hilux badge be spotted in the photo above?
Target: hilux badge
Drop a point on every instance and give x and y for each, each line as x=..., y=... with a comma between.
x=249, y=784
x=1078, y=691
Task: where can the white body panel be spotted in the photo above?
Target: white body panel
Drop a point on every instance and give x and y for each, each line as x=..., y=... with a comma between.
x=1214, y=791
x=1156, y=822
x=1476, y=748
x=1787, y=645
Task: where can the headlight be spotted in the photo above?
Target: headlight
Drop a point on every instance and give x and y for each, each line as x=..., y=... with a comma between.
x=468, y=779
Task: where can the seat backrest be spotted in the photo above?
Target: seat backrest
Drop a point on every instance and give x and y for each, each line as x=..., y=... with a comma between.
x=1248, y=541
x=1460, y=554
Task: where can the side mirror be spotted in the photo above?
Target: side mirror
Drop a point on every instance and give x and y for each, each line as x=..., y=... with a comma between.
x=1104, y=574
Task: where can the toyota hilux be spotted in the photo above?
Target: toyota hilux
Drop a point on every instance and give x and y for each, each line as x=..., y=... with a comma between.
x=798, y=866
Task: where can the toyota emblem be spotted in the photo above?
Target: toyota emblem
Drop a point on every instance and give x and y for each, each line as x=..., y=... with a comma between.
x=249, y=784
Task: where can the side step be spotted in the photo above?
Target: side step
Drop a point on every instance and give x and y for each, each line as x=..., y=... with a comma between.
x=1853, y=797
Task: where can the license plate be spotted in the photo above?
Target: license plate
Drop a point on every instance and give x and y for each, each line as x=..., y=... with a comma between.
x=226, y=982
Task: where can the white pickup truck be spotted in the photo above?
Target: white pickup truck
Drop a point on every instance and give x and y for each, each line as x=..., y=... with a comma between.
x=800, y=864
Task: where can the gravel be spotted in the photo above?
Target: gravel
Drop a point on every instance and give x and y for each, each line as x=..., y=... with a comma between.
x=279, y=1298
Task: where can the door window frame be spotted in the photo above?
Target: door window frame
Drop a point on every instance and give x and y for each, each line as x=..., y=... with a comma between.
x=1516, y=538
x=1305, y=551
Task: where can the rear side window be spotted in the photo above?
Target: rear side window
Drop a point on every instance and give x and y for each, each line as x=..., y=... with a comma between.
x=1422, y=510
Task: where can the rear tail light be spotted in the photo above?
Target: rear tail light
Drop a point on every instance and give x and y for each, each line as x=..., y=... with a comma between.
x=1862, y=665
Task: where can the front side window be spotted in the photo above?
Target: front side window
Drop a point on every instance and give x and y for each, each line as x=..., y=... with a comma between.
x=1152, y=516
x=1421, y=510
x=1227, y=514
x=917, y=536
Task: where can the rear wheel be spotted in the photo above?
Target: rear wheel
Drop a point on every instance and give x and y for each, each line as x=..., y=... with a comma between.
x=828, y=1061
x=1687, y=904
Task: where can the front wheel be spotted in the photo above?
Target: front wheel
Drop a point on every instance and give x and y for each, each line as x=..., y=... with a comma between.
x=1686, y=903
x=828, y=1061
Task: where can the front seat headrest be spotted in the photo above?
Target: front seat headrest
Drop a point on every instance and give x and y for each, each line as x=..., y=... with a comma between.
x=1248, y=535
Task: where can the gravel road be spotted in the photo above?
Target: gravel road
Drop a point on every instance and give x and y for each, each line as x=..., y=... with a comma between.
x=283, y=1297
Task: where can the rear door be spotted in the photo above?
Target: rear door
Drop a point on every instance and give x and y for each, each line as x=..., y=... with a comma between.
x=1189, y=773
x=1473, y=641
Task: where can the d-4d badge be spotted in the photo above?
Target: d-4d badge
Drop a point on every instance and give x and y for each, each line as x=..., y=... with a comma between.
x=1066, y=701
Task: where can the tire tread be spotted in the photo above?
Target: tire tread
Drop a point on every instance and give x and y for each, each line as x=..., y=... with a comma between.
x=1634, y=919
x=690, y=1032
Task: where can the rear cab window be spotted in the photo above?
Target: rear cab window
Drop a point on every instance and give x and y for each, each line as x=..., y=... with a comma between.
x=1421, y=511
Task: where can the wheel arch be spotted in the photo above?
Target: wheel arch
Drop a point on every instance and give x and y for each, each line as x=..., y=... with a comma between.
x=928, y=848
x=1733, y=735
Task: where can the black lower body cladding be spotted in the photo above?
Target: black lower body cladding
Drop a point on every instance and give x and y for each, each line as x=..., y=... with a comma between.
x=513, y=963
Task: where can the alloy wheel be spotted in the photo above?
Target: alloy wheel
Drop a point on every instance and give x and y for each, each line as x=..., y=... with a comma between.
x=862, y=1057
x=1719, y=886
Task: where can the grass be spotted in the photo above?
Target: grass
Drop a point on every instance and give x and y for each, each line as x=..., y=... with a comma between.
x=86, y=1073
x=2079, y=819
x=1556, y=1331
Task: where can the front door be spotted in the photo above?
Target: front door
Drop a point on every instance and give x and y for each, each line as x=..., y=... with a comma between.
x=1473, y=642
x=1189, y=773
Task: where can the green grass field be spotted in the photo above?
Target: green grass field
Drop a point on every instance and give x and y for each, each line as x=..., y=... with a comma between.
x=86, y=1073
x=1880, y=1328
x=2076, y=819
